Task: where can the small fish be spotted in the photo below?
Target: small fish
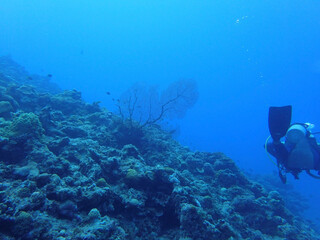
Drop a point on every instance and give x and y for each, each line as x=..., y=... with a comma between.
x=49, y=75
x=29, y=78
x=108, y=93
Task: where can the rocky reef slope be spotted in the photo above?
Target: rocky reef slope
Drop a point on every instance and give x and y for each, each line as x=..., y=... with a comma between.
x=72, y=170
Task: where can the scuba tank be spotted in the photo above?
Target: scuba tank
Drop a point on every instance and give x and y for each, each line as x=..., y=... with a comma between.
x=301, y=156
x=295, y=133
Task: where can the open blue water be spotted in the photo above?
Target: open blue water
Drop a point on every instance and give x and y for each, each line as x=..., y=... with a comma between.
x=245, y=56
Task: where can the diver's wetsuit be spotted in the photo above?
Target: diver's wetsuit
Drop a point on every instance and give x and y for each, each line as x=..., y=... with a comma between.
x=315, y=151
x=279, y=151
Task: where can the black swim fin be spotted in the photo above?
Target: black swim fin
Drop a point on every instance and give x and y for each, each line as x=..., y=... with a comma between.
x=279, y=121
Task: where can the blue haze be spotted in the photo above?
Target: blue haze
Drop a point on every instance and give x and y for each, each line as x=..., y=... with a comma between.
x=245, y=55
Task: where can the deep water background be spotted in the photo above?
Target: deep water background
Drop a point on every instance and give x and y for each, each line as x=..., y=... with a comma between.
x=245, y=56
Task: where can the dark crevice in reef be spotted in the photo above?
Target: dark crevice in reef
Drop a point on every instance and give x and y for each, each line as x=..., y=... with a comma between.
x=72, y=170
x=170, y=219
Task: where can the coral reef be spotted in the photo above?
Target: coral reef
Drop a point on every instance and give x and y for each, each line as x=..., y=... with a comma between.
x=66, y=172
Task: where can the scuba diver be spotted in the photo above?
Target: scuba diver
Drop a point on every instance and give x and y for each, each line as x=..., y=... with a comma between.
x=299, y=151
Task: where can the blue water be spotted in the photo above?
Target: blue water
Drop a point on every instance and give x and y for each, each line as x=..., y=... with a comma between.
x=245, y=56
